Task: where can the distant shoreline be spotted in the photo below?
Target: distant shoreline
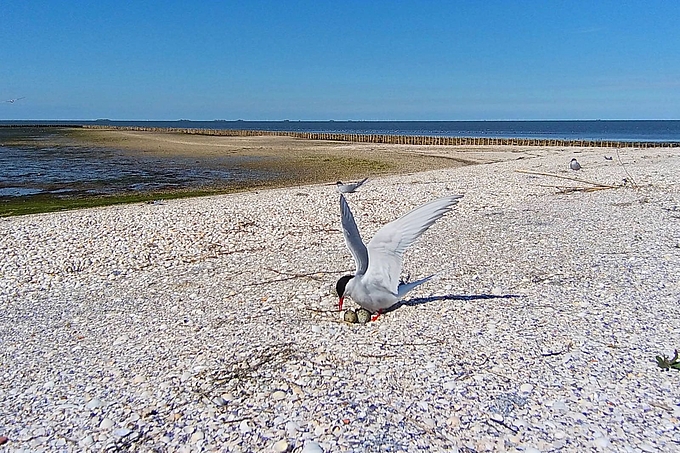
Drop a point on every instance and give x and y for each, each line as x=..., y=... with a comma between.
x=420, y=140
x=474, y=133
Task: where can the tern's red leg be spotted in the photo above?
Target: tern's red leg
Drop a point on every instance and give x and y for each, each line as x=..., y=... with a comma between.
x=376, y=315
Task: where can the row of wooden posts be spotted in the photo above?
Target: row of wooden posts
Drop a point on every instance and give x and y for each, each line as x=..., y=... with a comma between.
x=400, y=139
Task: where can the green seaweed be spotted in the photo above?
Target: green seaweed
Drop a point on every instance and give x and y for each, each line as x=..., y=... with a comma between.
x=42, y=204
x=666, y=364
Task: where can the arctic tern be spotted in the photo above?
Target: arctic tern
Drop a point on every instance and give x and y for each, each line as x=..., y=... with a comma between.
x=376, y=285
x=349, y=187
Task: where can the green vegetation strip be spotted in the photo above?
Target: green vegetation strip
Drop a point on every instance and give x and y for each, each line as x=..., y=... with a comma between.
x=40, y=203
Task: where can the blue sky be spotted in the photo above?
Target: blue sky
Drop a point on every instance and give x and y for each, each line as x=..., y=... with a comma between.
x=321, y=60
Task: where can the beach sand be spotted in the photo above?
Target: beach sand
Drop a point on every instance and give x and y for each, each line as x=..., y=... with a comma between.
x=210, y=324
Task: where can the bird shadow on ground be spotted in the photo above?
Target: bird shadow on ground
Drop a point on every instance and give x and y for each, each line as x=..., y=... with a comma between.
x=424, y=300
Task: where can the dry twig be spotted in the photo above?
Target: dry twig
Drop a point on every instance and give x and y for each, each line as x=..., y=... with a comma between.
x=570, y=178
x=568, y=189
x=291, y=276
x=625, y=169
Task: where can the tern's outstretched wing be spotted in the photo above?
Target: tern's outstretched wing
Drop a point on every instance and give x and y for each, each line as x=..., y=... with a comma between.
x=389, y=243
x=353, y=238
x=360, y=183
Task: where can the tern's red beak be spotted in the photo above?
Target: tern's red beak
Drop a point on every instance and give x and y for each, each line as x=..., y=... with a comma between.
x=342, y=299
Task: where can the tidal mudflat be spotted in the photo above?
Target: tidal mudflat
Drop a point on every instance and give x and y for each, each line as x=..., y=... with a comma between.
x=44, y=169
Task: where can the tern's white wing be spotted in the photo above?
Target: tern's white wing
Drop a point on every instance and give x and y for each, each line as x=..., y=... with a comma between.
x=353, y=238
x=389, y=243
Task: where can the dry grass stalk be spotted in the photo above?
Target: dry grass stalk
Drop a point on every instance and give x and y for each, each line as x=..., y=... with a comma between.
x=597, y=185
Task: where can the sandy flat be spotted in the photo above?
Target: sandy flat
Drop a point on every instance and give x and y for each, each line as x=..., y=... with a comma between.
x=402, y=157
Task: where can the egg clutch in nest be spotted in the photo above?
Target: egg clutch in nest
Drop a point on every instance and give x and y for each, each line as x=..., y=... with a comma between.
x=361, y=316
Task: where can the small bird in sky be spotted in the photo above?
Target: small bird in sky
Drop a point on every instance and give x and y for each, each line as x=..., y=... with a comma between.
x=12, y=101
x=574, y=165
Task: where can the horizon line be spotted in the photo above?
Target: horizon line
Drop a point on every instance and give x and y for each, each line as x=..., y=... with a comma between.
x=333, y=120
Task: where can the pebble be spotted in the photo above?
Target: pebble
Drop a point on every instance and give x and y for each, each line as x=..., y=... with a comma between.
x=526, y=388
x=106, y=423
x=94, y=403
x=122, y=432
x=219, y=401
x=278, y=395
x=648, y=448
x=138, y=379
x=450, y=385
x=202, y=342
x=291, y=428
x=560, y=406
x=496, y=417
x=312, y=447
x=281, y=446
x=601, y=442
x=196, y=436
x=244, y=427
x=121, y=340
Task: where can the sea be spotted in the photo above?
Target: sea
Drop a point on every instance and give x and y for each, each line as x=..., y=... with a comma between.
x=36, y=170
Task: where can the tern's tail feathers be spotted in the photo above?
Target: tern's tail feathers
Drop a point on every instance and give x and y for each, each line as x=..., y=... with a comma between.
x=405, y=287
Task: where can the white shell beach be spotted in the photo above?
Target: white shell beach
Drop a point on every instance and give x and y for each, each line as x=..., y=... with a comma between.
x=210, y=324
